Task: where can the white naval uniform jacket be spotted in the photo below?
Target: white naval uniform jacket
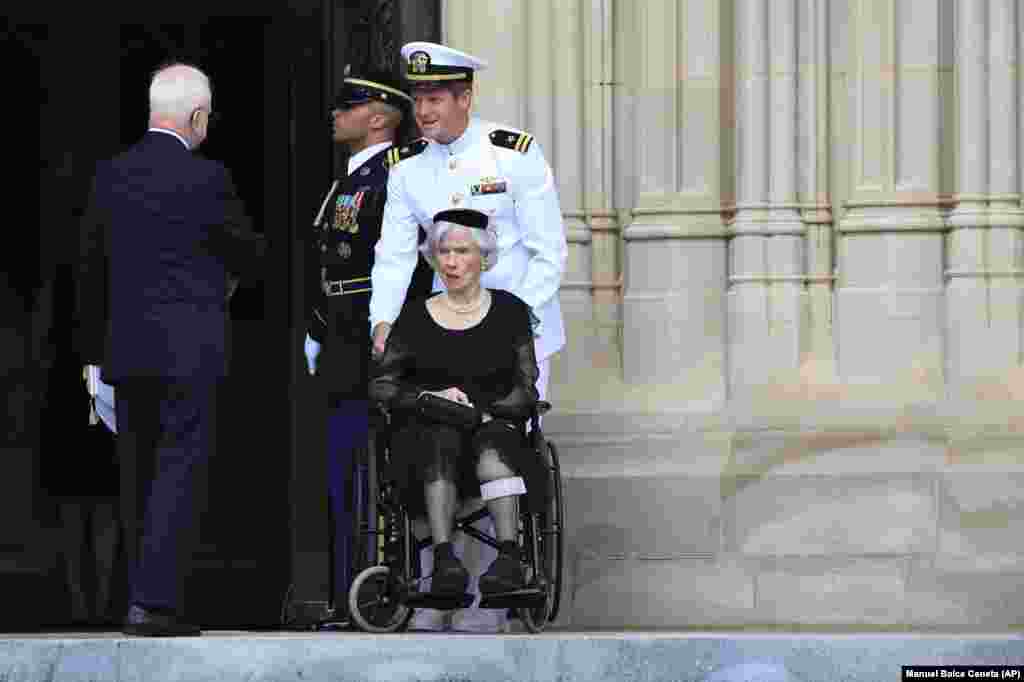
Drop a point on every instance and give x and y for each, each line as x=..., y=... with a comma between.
x=516, y=189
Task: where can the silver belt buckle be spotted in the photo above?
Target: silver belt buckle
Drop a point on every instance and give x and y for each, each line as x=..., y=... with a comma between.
x=334, y=288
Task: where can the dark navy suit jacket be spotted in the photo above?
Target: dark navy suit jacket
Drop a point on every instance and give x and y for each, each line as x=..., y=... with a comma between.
x=162, y=231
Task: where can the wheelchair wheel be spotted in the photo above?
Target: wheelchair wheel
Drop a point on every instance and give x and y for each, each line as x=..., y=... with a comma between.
x=554, y=533
x=373, y=603
x=551, y=543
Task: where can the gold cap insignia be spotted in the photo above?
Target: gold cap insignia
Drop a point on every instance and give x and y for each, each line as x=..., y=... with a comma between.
x=419, y=62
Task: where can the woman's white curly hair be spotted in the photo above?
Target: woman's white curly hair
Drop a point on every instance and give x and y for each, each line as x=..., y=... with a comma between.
x=486, y=239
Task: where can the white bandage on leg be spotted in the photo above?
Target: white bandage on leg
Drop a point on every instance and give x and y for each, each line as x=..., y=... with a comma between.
x=502, y=487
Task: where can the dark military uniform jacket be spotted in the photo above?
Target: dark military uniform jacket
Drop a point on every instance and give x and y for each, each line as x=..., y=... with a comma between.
x=345, y=232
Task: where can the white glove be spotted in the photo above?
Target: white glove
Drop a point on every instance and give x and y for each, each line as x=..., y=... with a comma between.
x=91, y=377
x=103, y=398
x=312, y=350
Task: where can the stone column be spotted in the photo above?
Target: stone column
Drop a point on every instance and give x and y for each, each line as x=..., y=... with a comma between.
x=599, y=186
x=675, y=251
x=813, y=153
x=984, y=275
x=766, y=277
x=889, y=299
x=496, y=31
x=557, y=38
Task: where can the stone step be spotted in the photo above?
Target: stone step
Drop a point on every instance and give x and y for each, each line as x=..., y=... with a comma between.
x=221, y=656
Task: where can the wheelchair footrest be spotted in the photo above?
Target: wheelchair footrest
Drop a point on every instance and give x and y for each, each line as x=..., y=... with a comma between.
x=517, y=599
x=426, y=600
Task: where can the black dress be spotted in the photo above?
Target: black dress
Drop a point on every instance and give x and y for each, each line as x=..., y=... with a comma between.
x=493, y=363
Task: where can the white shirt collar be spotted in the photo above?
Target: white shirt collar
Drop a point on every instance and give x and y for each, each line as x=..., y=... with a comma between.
x=463, y=141
x=170, y=132
x=359, y=158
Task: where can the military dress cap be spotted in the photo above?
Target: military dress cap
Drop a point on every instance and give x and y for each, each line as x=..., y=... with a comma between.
x=466, y=217
x=360, y=88
x=433, y=63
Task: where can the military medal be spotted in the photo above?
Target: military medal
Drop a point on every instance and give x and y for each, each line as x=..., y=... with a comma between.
x=489, y=186
x=346, y=212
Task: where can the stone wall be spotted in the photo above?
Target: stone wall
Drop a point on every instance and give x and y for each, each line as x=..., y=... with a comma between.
x=836, y=516
x=792, y=391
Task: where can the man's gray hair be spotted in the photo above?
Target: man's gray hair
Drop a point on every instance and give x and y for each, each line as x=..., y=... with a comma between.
x=487, y=240
x=178, y=90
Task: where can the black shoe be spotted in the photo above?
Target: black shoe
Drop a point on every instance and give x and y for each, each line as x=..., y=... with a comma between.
x=142, y=622
x=450, y=577
x=505, y=573
x=338, y=620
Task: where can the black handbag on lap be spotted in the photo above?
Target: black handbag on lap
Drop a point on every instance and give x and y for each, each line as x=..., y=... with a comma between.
x=448, y=412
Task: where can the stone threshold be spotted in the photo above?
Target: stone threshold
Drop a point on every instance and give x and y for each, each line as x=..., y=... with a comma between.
x=707, y=656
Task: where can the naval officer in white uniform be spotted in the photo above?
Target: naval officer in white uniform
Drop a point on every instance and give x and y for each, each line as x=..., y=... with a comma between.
x=464, y=162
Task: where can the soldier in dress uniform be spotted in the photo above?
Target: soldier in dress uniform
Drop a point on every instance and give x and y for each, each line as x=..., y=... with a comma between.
x=465, y=162
x=366, y=116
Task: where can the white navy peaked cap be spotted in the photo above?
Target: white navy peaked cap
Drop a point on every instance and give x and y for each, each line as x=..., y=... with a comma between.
x=430, y=62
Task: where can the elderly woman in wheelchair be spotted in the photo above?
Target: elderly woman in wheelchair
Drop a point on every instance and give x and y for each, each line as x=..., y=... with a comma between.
x=458, y=375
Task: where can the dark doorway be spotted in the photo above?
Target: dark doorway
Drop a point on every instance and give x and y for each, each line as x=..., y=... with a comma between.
x=86, y=99
x=82, y=89
x=265, y=85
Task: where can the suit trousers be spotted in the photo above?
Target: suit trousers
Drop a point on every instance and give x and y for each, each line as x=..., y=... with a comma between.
x=166, y=434
x=347, y=434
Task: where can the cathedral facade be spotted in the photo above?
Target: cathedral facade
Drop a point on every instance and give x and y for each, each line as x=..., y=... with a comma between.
x=792, y=388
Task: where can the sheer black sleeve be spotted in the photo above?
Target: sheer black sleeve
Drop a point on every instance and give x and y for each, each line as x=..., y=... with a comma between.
x=520, y=401
x=388, y=384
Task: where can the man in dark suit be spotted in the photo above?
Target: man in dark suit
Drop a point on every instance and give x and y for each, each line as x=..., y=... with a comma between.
x=163, y=234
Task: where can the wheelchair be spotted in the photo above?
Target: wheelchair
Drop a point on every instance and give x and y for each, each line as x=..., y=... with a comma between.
x=385, y=590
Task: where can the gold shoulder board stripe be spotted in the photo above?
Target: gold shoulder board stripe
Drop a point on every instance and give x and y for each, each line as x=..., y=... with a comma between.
x=516, y=141
x=523, y=143
x=396, y=154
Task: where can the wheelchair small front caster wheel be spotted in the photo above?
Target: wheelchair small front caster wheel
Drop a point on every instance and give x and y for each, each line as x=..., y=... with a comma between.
x=373, y=602
x=535, y=618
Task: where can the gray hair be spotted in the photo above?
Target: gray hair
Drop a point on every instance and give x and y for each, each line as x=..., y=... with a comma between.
x=178, y=90
x=487, y=240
